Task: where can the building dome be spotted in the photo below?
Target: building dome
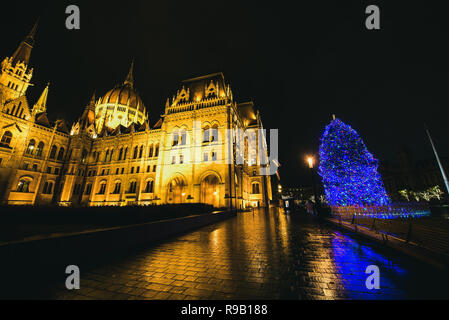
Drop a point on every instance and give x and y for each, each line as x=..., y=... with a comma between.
x=120, y=106
x=124, y=96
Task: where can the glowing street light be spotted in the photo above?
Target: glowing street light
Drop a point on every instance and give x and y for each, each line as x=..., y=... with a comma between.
x=311, y=162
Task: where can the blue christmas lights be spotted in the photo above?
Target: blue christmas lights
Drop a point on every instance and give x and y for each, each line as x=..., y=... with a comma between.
x=348, y=170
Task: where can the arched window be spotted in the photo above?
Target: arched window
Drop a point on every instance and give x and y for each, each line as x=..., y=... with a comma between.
x=183, y=138
x=31, y=146
x=61, y=154
x=6, y=139
x=141, y=152
x=175, y=138
x=256, y=188
x=156, y=151
x=151, y=152
x=120, y=155
x=106, y=156
x=117, y=188
x=126, y=154
x=88, y=189
x=40, y=149
x=149, y=187
x=53, y=151
x=214, y=133
x=102, y=189
x=23, y=186
x=132, y=187
x=206, y=135
x=136, y=151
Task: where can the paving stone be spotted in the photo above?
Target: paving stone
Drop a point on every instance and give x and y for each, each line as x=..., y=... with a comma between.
x=262, y=256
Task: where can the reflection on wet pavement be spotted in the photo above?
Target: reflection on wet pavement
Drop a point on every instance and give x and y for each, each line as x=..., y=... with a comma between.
x=261, y=255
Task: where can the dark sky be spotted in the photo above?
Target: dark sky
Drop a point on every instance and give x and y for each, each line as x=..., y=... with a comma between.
x=299, y=61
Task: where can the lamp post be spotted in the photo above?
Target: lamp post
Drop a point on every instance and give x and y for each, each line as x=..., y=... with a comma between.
x=311, y=162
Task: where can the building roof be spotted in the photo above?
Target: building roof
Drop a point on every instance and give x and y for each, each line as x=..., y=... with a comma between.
x=248, y=113
x=125, y=94
x=23, y=52
x=199, y=88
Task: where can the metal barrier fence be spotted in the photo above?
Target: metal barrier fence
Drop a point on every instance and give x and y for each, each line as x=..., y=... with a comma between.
x=393, y=211
x=427, y=232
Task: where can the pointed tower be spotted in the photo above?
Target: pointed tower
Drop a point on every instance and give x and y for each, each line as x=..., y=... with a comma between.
x=15, y=73
x=86, y=124
x=23, y=52
x=41, y=104
x=129, y=81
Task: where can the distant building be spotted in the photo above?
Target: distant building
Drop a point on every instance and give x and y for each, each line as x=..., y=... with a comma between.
x=408, y=174
x=299, y=194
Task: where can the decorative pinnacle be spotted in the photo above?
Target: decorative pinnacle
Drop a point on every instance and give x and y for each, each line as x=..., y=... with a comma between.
x=130, y=78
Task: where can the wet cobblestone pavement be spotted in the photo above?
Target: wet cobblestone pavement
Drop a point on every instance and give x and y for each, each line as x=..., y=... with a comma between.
x=260, y=256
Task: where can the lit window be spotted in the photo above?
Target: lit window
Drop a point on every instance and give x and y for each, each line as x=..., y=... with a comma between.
x=23, y=186
x=31, y=146
x=256, y=188
x=6, y=139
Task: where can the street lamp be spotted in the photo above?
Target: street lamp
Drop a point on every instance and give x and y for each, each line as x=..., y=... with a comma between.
x=311, y=162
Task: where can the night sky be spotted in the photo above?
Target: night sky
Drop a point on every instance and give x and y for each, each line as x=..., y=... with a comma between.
x=300, y=63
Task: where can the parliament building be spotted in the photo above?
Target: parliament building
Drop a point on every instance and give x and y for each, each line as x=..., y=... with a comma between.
x=112, y=156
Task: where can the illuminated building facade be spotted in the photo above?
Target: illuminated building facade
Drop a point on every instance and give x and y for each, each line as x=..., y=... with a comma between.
x=112, y=156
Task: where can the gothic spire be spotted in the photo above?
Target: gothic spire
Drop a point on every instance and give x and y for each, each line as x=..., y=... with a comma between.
x=91, y=105
x=130, y=78
x=41, y=104
x=23, y=52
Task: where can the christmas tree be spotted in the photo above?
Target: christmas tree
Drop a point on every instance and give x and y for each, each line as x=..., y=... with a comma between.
x=348, y=170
